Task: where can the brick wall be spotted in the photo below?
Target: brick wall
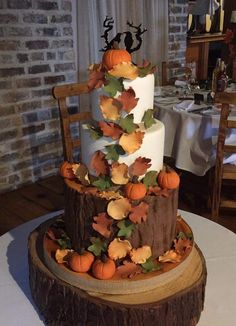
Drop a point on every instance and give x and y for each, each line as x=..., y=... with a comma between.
x=36, y=53
x=177, y=30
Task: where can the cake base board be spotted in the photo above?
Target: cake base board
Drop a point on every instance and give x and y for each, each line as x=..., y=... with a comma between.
x=178, y=302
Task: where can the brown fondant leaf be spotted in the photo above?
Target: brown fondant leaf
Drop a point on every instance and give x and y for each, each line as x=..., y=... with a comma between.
x=140, y=255
x=125, y=70
x=110, y=129
x=140, y=166
x=119, y=208
x=119, y=173
x=96, y=76
x=128, y=270
x=128, y=99
x=110, y=107
x=170, y=256
x=181, y=245
x=131, y=142
x=99, y=163
x=103, y=224
x=119, y=248
x=139, y=213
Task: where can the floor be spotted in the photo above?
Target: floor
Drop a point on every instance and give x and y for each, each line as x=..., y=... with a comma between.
x=42, y=197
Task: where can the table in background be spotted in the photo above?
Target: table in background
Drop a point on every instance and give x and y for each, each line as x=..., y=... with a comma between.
x=217, y=244
x=190, y=138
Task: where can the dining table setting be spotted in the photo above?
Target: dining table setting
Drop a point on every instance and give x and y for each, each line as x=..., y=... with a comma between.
x=191, y=120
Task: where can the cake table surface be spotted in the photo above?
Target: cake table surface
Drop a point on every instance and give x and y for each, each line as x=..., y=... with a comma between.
x=217, y=244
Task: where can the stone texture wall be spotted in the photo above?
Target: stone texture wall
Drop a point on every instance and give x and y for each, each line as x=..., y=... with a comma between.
x=36, y=53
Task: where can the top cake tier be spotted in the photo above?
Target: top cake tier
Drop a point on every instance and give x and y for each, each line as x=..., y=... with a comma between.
x=122, y=109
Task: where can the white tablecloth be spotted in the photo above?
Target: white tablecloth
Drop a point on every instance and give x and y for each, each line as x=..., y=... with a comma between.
x=191, y=138
x=217, y=244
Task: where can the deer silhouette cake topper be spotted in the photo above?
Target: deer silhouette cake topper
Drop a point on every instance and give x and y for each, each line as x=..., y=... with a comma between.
x=132, y=40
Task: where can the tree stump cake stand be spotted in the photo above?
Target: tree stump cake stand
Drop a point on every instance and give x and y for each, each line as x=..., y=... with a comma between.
x=177, y=302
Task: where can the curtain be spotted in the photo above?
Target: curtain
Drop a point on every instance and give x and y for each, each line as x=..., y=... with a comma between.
x=152, y=14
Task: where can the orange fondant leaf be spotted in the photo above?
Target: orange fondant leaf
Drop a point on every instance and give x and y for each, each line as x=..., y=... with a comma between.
x=181, y=245
x=170, y=256
x=99, y=163
x=140, y=166
x=119, y=248
x=119, y=173
x=119, y=208
x=110, y=129
x=96, y=76
x=128, y=99
x=110, y=107
x=102, y=224
x=131, y=142
x=139, y=213
x=128, y=270
x=140, y=255
x=124, y=70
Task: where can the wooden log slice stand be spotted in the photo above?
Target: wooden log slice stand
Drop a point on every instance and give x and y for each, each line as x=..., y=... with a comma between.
x=178, y=302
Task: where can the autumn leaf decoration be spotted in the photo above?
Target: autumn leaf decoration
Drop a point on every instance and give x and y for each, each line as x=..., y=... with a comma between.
x=140, y=166
x=99, y=164
x=131, y=142
x=110, y=107
x=128, y=100
x=102, y=224
x=125, y=70
x=96, y=76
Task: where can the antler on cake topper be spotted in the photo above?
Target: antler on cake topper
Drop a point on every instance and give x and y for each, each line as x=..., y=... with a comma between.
x=129, y=39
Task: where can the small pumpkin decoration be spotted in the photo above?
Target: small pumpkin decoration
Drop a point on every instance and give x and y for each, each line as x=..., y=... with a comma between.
x=168, y=179
x=104, y=268
x=81, y=262
x=135, y=191
x=66, y=171
x=113, y=57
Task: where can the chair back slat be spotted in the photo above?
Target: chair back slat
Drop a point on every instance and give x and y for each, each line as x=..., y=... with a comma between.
x=223, y=171
x=62, y=93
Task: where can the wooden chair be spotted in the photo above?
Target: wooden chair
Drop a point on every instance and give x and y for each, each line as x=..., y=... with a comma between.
x=223, y=172
x=62, y=93
x=170, y=71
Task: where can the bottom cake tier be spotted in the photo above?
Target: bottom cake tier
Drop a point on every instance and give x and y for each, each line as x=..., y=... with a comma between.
x=177, y=301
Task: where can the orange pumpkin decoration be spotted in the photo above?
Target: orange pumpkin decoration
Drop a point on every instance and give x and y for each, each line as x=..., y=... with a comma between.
x=66, y=170
x=113, y=57
x=135, y=191
x=81, y=262
x=104, y=268
x=168, y=179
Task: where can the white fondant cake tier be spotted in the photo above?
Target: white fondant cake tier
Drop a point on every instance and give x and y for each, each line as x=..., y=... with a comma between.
x=152, y=147
x=144, y=90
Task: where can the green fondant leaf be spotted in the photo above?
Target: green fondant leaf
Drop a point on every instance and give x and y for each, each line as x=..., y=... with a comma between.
x=148, y=118
x=150, y=178
x=95, y=132
x=126, y=228
x=113, y=85
x=144, y=71
x=64, y=242
x=113, y=152
x=127, y=123
x=150, y=265
x=103, y=182
x=97, y=246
